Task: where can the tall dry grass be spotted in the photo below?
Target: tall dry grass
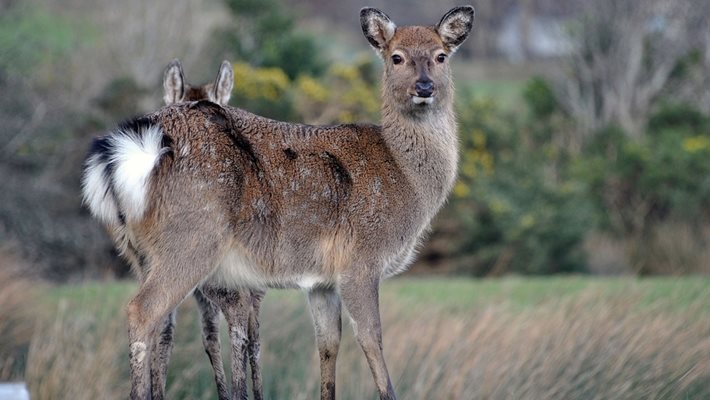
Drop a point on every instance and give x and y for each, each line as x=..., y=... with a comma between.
x=78, y=349
x=581, y=349
x=591, y=343
x=586, y=347
x=18, y=297
x=77, y=356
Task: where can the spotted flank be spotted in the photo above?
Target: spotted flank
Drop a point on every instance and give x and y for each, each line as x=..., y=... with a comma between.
x=118, y=169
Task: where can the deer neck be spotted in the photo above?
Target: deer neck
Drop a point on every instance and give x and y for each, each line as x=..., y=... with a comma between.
x=425, y=146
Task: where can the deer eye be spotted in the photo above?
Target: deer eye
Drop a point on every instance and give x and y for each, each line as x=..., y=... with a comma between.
x=441, y=58
x=397, y=59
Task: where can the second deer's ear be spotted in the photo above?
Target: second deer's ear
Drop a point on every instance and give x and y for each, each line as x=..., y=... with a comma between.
x=377, y=27
x=173, y=83
x=222, y=90
x=455, y=26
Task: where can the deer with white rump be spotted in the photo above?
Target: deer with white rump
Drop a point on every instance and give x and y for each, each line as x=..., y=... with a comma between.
x=216, y=196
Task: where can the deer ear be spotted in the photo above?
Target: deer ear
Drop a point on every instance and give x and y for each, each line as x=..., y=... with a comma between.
x=377, y=27
x=455, y=26
x=222, y=90
x=173, y=83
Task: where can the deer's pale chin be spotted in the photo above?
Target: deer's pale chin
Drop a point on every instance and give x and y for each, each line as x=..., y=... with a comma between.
x=422, y=100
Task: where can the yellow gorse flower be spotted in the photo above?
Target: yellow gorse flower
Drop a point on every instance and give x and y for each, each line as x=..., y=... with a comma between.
x=260, y=83
x=696, y=144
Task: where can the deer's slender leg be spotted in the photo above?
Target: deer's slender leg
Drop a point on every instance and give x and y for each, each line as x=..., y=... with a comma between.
x=254, y=346
x=235, y=306
x=209, y=313
x=175, y=270
x=160, y=356
x=361, y=299
x=325, y=310
x=145, y=313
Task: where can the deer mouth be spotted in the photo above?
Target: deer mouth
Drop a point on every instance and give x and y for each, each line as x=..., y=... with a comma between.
x=422, y=100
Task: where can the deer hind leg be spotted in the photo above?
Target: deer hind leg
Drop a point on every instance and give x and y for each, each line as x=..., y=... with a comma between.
x=174, y=271
x=160, y=356
x=209, y=313
x=325, y=310
x=235, y=305
x=254, y=346
x=361, y=298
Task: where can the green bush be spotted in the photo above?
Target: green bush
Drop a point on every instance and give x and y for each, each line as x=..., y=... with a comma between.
x=641, y=181
x=297, y=54
x=514, y=215
x=522, y=223
x=540, y=98
x=265, y=36
x=678, y=116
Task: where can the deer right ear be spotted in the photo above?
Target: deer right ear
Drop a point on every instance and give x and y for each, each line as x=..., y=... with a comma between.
x=222, y=89
x=173, y=83
x=377, y=27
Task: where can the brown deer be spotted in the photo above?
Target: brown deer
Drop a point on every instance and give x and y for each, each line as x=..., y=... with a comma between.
x=214, y=196
x=231, y=302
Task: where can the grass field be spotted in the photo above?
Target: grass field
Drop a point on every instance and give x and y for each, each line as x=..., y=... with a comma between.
x=551, y=338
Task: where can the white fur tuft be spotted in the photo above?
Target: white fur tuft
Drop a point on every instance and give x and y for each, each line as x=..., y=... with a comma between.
x=388, y=30
x=122, y=190
x=134, y=157
x=95, y=189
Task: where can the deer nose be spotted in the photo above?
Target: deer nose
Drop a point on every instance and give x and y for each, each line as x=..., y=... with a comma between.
x=424, y=88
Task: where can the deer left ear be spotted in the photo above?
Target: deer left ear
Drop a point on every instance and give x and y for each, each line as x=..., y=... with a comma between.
x=222, y=89
x=455, y=26
x=173, y=83
x=377, y=27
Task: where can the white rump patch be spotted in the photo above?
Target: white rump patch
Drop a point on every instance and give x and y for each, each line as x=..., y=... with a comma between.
x=123, y=188
x=134, y=157
x=422, y=100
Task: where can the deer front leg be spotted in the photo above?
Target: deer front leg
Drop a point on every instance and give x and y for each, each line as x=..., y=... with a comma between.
x=235, y=306
x=325, y=310
x=160, y=356
x=361, y=298
x=254, y=346
x=209, y=313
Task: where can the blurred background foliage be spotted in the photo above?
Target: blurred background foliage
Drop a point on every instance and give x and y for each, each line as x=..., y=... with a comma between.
x=593, y=157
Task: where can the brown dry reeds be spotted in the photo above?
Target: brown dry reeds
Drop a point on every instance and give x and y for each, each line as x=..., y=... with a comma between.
x=587, y=348
x=590, y=346
x=77, y=355
x=18, y=297
x=609, y=339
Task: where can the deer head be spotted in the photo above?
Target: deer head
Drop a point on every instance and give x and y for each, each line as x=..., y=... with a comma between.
x=417, y=75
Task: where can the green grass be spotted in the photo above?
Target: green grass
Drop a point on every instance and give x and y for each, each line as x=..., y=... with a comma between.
x=505, y=92
x=461, y=295
x=559, y=337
